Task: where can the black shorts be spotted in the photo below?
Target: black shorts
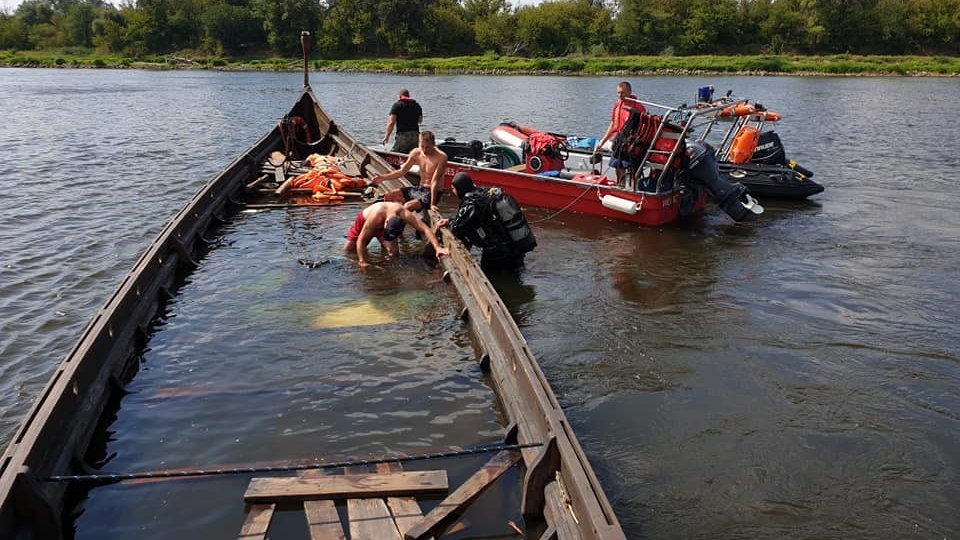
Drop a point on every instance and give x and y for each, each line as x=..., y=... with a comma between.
x=421, y=194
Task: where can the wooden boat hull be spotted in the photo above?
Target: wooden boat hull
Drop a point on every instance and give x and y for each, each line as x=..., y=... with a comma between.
x=559, y=486
x=652, y=209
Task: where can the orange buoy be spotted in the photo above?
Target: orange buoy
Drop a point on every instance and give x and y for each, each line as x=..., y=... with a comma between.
x=740, y=109
x=741, y=150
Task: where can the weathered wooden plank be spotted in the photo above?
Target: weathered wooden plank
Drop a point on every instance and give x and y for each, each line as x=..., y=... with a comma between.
x=356, y=486
x=539, y=473
x=323, y=520
x=350, y=168
x=257, y=522
x=406, y=511
x=465, y=494
x=560, y=514
x=370, y=519
x=280, y=177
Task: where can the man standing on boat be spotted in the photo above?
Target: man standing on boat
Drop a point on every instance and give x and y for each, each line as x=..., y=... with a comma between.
x=385, y=221
x=626, y=102
x=406, y=115
x=432, y=163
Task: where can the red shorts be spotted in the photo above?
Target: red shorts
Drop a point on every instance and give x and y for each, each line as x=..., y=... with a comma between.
x=354, y=233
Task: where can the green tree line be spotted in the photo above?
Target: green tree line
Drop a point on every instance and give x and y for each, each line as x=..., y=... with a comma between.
x=350, y=29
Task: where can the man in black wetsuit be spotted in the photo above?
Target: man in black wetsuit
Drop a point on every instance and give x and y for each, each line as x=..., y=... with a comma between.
x=406, y=115
x=491, y=220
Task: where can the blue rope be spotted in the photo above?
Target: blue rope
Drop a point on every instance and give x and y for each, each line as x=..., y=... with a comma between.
x=107, y=478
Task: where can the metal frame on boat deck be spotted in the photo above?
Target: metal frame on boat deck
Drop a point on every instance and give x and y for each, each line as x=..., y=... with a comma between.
x=56, y=434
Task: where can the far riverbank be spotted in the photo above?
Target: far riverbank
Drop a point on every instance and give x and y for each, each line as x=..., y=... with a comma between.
x=794, y=65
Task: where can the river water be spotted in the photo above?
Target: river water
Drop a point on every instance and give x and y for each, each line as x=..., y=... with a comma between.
x=796, y=377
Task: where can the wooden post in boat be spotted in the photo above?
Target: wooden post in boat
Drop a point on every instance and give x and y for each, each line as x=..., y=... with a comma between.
x=305, y=46
x=541, y=472
x=280, y=166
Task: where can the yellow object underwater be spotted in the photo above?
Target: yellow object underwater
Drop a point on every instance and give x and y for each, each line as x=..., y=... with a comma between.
x=362, y=313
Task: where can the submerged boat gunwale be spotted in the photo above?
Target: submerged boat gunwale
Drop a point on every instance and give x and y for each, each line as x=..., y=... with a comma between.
x=57, y=432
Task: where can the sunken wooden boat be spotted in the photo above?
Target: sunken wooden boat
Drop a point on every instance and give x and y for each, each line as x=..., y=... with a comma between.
x=47, y=462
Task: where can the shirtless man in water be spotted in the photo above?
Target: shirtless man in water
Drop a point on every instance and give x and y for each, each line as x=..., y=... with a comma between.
x=433, y=165
x=385, y=222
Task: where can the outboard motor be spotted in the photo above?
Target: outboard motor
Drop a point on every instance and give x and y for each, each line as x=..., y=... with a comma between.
x=769, y=150
x=731, y=197
x=460, y=151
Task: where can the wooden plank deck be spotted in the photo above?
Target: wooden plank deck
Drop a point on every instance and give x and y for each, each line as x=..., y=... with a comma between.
x=346, y=486
x=380, y=505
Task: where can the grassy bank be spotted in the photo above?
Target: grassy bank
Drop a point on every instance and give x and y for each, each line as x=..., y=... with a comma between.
x=842, y=64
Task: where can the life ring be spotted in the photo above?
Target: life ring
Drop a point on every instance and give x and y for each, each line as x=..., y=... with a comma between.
x=770, y=116
x=296, y=127
x=300, y=127
x=740, y=109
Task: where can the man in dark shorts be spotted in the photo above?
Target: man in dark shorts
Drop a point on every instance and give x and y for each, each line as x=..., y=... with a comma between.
x=406, y=115
x=432, y=163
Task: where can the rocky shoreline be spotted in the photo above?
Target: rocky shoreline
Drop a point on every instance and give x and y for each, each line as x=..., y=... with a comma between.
x=185, y=64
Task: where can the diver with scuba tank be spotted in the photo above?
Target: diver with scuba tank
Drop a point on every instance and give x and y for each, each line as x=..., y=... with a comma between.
x=491, y=220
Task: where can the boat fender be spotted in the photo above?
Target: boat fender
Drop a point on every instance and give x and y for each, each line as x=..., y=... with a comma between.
x=620, y=204
x=508, y=135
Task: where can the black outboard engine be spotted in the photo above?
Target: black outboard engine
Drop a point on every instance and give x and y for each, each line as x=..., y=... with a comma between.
x=460, y=151
x=731, y=197
x=769, y=150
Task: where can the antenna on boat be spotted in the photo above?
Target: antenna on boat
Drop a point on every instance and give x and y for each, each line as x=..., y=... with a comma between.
x=305, y=46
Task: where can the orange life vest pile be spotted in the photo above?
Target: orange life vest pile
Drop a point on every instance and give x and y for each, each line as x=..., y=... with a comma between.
x=325, y=179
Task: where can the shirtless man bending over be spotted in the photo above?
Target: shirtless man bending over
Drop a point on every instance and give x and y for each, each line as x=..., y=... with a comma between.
x=433, y=165
x=385, y=222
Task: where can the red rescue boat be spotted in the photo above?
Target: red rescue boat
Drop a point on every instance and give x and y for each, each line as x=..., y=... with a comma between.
x=747, y=149
x=673, y=181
